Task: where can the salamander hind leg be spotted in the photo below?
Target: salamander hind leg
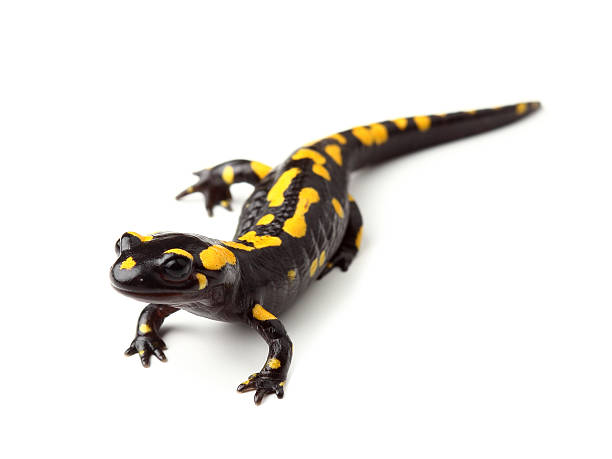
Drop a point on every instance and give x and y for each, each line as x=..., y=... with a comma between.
x=147, y=341
x=271, y=379
x=215, y=182
x=347, y=251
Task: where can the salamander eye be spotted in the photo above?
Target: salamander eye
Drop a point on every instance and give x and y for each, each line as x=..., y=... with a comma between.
x=117, y=248
x=177, y=268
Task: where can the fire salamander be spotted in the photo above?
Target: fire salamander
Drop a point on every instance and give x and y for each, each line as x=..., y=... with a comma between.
x=298, y=224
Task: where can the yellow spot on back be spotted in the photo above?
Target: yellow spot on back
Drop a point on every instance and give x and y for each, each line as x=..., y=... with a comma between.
x=276, y=194
x=364, y=135
x=322, y=259
x=265, y=219
x=144, y=329
x=202, y=281
x=358, y=237
x=228, y=175
x=338, y=207
x=379, y=133
x=238, y=245
x=401, y=123
x=316, y=157
x=521, y=108
x=142, y=238
x=422, y=122
x=261, y=314
x=261, y=241
x=296, y=225
x=313, y=267
x=216, y=257
x=128, y=263
x=261, y=170
x=335, y=152
x=180, y=252
x=339, y=137
x=291, y=274
x=273, y=363
x=225, y=204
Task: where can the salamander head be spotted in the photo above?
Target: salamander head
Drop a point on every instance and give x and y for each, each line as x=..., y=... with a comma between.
x=170, y=268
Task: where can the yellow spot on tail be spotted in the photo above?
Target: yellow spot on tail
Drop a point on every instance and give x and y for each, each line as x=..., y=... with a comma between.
x=351, y=198
x=313, y=267
x=225, y=204
x=322, y=259
x=316, y=157
x=338, y=207
x=276, y=194
x=261, y=314
x=228, y=175
x=216, y=257
x=401, y=123
x=291, y=274
x=521, y=108
x=338, y=137
x=238, y=245
x=261, y=241
x=202, y=281
x=296, y=225
x=128, y=263
x=265, y=219
x=144, y=329
x=335, y=152
x=142, y=238
x=358, y=237
x=422, y=122
x=273, y=363
x=190, y=189
x=364, y=135
x=471, y=112
x=261, y=170
x=379, y=133
x=180, y=252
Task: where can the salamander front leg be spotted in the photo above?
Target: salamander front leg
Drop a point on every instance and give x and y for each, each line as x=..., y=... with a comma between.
x=351, y=242
x=271, y=379
x=215, y=182
x=147, y=340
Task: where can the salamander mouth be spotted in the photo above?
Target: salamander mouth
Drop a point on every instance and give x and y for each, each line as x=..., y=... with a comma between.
x=155, y=296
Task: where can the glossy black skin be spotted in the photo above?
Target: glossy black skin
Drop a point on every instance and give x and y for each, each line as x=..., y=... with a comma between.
x=257, y=286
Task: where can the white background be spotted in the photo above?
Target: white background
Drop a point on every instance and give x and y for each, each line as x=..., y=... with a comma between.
x=476, y=321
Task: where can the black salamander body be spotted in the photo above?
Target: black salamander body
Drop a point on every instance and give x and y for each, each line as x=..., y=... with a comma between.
x=298, y=224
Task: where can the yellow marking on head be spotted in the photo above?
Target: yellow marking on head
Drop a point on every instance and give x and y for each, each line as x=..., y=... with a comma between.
x=338, y=207
x=216, y=257
x=273, y=363
x=202, y=281
x=313, y=267
x=351, y=198
x=339, y=138
x=142, y=238
x=261, y=170
x=144, y=329
x=316, y=157
x=244, y=383
x=261, y=314
x=261, y=241
x=228, y=175
x=379, y=133
x=521, y=108
x=180, y=252
x=296, y=225
x=335, y=152
x=401, y=123
x=322, y=259
x=364, y=135
x=422, y=122
x=291, y=274
x=238, y=245
x=276, y=194
x=265, y=219
x=128, y=263
x=358, y=237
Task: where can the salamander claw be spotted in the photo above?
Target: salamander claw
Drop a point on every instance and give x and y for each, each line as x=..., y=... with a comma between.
x=145, y=346
x=215, y=190
x=263, y=385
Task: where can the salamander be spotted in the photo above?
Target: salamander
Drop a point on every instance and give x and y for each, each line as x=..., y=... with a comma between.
x=299, y=223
